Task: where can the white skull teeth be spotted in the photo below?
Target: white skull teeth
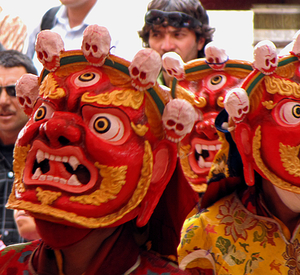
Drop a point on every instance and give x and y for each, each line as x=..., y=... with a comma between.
x=203, y=151
x=71, y=161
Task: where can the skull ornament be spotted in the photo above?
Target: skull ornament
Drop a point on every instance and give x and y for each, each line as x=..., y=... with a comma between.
x=237, y=104
x=265, y=57
x=27, y=90
x=216, y=57
x=174, y=65
x=296, y=45
x=48, y=47
x=178, y=119
x=144, y=69
x=96, y=44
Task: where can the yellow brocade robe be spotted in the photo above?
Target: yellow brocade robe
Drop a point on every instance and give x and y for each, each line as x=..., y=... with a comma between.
x=228, y=239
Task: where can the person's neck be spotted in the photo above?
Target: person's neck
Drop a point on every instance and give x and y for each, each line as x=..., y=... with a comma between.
x=8, y=138
x=76, y=14
x=167, y=78
x=278, y=208
x=77, y=258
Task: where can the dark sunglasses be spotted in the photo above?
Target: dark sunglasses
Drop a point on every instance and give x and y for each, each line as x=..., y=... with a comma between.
x=173, y=18
x=10, y=90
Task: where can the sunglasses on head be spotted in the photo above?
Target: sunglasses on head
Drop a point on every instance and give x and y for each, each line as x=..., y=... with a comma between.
x=174, y=18
x=10, y=90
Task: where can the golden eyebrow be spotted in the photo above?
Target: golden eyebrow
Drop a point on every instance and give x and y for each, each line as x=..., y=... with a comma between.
x=125, y=97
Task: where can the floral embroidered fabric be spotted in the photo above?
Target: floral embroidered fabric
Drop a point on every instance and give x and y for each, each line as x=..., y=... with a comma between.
x=219, y=239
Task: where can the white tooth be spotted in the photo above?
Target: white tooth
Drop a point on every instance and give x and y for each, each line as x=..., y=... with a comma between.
x=73, y=181
x=73, y=161
x=36, y=174
x=46, y=155
x=201, y=162
x=42, y=177
x=198, y=148
x=50, y=178
x=39, y=156
x=62, y=181
x=58, y=158
x=212, y=148
x=204, y=147
x=208, y=164
x=65, y=159
x=56, y=179
x=52, y=157
x=219, y=146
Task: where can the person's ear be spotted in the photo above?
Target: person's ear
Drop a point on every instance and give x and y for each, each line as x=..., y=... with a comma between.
x=200, y=43
x=164, y=163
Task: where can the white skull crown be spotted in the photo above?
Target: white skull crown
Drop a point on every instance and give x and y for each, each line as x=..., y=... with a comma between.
x=215, y=56
x=174, y=65
x=178, y=118
x=27, y=91
x=96, y=44
x=265, y=57
x=236, y=103
x=144, y=69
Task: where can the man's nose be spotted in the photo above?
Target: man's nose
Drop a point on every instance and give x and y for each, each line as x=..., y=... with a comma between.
x=168, y=44
x=4, y=97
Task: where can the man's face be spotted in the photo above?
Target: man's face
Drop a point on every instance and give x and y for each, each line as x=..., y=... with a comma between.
x=179, y=40
x=77, y=3
x=12, y=117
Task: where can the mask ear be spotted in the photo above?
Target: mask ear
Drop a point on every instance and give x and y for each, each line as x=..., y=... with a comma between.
x=164, y=163
x=244, y=144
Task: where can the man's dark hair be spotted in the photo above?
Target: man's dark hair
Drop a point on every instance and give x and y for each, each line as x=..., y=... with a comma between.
x=193, y=8
x=14, y=58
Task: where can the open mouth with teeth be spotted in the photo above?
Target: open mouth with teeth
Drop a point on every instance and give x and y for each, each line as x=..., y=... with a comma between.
x=64, y=168
x=203, y=155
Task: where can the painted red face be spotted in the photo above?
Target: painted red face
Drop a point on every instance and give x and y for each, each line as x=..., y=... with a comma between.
x=202, y=144
x=268, y=138
x=87, y=154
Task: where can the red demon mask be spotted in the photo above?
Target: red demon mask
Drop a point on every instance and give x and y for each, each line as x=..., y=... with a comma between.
x=202, y=84
x=266, y=113
x=93, y=152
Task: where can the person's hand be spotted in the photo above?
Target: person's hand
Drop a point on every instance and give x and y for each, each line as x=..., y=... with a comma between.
x=12, y=32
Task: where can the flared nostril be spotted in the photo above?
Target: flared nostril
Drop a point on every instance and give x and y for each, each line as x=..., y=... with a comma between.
x=60, y=132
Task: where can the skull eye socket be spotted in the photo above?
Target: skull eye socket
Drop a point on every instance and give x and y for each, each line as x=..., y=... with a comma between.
x=179, y=127
x=143, y=75
x=135, y=71
x=171, y=122
x=87, y=79
x=44, y=111
x=107, y=127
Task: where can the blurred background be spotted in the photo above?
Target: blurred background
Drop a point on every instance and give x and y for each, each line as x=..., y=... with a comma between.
x=239, y=24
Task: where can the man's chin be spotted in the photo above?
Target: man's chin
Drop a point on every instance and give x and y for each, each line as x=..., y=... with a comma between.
x=59, y=236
